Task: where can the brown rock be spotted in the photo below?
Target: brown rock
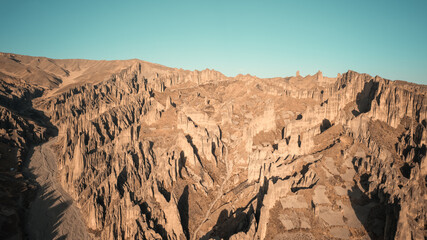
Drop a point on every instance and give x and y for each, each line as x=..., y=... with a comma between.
x=145, y=151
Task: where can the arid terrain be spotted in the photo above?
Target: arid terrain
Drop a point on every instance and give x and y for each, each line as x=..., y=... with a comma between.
x=135, y=150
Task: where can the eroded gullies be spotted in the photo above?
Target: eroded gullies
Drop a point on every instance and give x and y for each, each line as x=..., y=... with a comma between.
x=156, y=152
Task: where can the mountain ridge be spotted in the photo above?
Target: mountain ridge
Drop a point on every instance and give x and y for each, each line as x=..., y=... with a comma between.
x=164, y=66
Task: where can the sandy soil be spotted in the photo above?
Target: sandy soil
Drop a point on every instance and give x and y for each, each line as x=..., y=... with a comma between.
x=53, y=215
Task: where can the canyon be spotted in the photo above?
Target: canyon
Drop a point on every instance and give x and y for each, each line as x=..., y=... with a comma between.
x=128, y=149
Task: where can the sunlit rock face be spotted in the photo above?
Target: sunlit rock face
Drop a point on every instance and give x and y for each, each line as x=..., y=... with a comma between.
x=150, y=152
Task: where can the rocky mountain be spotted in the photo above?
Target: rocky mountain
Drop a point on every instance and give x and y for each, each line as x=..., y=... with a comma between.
x=136, y=150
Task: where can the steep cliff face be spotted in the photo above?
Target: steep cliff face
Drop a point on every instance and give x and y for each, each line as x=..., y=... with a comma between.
x=122, y=147
x=151, y=152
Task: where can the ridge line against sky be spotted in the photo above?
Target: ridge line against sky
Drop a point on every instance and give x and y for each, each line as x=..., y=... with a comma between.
x=262, y=38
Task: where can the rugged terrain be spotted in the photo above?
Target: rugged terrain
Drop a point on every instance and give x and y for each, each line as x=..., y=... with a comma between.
x=136, y=150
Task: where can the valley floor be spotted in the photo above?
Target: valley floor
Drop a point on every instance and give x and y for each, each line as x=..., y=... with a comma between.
x=52, y=215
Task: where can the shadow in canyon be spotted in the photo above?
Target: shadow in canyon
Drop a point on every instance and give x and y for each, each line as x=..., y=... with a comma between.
x=50, y=207
x=375, y=213
x=183, y=211
x=230, y=223
x=233, y=222
x=43, y=222
x=366, y=96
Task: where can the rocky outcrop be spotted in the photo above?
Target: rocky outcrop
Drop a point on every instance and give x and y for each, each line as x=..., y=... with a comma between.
x=151, y=152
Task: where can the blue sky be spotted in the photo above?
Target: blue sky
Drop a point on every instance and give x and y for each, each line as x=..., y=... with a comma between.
x=262, y=38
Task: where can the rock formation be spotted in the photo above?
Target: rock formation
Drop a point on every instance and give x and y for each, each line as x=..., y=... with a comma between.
x=143, y=151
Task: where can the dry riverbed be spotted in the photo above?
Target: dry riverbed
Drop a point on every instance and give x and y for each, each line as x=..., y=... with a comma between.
x=52, y=215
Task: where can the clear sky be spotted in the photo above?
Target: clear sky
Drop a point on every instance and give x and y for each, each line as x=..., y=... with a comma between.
x=262, y=38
